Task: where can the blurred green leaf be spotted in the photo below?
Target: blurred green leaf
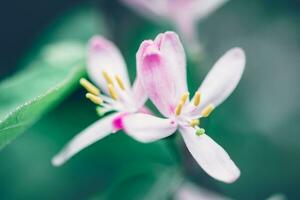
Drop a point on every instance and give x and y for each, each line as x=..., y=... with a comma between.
x=149, y=183
x=51, y=71
x=92, y=171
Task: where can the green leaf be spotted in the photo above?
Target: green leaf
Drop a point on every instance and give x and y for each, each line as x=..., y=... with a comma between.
x=51, y=71
x=92, y=171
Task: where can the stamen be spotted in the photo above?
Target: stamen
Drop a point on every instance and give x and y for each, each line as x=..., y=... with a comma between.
x=197, y=98
x=89, y=86
x=200, y=131
x=181, y=103
x=95, y=99
x=120, y=82
x=112, y=92
x=194, y=123
x=207, y=110
x=184, y=97
x=179, y=108
x=107, y=78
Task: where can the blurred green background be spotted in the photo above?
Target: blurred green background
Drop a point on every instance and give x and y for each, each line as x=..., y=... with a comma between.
x=258, y=125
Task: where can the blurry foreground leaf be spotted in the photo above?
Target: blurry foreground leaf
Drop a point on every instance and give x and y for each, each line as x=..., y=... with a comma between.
x=93, y=171
x=149, y=183
x=52, y=70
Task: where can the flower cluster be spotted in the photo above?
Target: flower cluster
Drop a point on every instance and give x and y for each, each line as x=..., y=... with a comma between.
x=161, y=77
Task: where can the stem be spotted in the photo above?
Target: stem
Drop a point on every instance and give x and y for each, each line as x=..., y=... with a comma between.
x=173, y=143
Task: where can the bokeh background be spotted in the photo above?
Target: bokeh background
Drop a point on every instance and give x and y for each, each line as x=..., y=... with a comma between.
x=258, y=125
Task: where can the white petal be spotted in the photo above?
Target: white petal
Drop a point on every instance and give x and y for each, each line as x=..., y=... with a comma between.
x=154, y=9
x=222, y=78
x=90, y=135
x=104, y=55
x=139, y=94
x=190, y=191
x=202, y=8
x=147, y=128
x=210, y=156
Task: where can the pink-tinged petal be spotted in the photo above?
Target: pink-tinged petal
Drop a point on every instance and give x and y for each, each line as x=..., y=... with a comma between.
x=153, y=9
x=210, y=156
x=202, y=8
x=90, y=135
x=139, y=94
x=222, y=79
x=103, y=55
x=171, y=48
x=161, y=72
x=148, y=128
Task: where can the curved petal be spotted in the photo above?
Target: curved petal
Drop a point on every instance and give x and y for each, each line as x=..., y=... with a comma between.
x=139, y=94
x=148, y=128
x=104, y=55
x=222, y=78
x=210, y=156
x=201, y=9
x=90, y=135
x=170, y=46
x=153, y=9
x=161, y=69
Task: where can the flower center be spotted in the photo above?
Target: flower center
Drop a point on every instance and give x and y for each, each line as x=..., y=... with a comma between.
x=185, y=118
x=118, y=98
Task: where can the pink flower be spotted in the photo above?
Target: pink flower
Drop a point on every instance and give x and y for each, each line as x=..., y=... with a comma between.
x=107, y=69
x=162, y=71
x=184, y=14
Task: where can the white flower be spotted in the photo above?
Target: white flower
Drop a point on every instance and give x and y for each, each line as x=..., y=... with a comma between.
x=107, y=68
x=162, y=71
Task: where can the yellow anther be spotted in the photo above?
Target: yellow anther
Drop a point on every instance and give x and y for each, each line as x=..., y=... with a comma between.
x=179, y=108
x=184, y=97
x=195, y=122
x=95, y=99
x=120, y=82
x=197, y=98
x=181, y=103
x=112, y=92
x=89, y=86
x=107, y=78
x=207, y=110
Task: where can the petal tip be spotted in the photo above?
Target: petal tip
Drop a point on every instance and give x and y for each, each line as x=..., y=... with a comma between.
x=237, y=53
x=57, y=161
x=234, y=178
x=98, y=42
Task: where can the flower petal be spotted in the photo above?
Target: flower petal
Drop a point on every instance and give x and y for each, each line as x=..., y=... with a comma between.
x=222, y=79
x=104, y=55
x=210, y=156
x=139, y=94
x=154, y=9
x=148, y=128
x=90, y=135
x=170, y=46
x=161, y=69
x=202, y=8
